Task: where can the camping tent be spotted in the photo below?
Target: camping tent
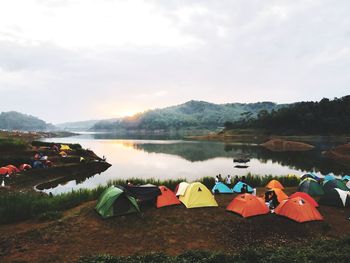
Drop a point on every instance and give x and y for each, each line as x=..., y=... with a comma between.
x=329, y=177
x=13, y=168
x=280, y=194
x=306, y=197
x=298, y=209
x=114, y=202
x=181, y=188
x=221, y=188
x=309, y=175
x=198, y=195
x=274, y=184
x=4, y=171
x=144, y=193
x=167, y=197
x=336, y=197
x=311, y=187
x=25, y=167
x=248, y=205
x=238, y=187
x=65, y=147
x=334, y=183
x=346, y=178
x=63, y=154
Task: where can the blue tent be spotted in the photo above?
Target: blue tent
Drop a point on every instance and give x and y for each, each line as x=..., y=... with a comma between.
x=346, y=177
x=237, y=188
x=221, y=188
x=329, y=177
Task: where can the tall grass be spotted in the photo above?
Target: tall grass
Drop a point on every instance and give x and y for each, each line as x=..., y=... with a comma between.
x=16, y=207
x=21, y=206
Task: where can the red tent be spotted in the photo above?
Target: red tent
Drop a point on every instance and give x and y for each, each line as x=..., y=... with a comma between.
x=5, y=170
x=13, y=168
x=167, y=197
x=248, y=205
x=305, y=196
x=298, y=209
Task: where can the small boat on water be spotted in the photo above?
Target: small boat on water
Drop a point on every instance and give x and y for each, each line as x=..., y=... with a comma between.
x=241, y=166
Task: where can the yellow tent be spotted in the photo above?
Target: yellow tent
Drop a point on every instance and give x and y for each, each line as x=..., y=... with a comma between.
x=63, y=154
x=198, y=195
x=65, y=147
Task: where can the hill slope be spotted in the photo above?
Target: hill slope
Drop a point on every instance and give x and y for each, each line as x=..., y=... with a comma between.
x=13, y=120
x=190, y=115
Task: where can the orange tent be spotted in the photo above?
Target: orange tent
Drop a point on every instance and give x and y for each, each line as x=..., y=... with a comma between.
x=280, y=194
x=305, y=196
x=274, y=184
x=25, y=167
x=298, y=209
x=13, y=168
x=248, y=205
x=167, y=197
x=5, y=170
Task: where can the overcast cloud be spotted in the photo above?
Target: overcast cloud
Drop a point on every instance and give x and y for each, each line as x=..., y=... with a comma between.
x=67, y=60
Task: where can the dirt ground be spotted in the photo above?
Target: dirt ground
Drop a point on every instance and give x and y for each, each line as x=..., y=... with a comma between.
x=173, y=230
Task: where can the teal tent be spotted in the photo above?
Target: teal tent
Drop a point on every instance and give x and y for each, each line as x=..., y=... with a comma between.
x=329, y=177
x=238, y=187
x=114, y=202
x=346, y=177
x=335, y=183
x=221, y=188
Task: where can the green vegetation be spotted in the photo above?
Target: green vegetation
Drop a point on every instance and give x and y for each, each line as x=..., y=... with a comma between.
x=319, y=251
x=326, y=116
x=18, y=206
x=190, y=115
x=13, y=120
x=11, y=144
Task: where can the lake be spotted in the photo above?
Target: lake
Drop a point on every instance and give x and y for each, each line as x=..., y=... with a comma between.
x=162, y=157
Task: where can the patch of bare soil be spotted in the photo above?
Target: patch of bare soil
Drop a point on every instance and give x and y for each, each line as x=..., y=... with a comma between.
x=173, y=230
x=278, y=145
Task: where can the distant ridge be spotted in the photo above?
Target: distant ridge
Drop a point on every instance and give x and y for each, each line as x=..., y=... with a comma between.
x=190, y=115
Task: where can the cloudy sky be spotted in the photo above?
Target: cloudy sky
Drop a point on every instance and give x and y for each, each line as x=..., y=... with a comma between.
x=67, y=60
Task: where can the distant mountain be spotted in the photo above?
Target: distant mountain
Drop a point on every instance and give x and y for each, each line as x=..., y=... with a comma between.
x=190, y=115
x=77, y=126
x=13, y=120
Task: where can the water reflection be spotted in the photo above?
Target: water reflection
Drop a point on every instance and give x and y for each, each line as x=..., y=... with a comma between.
x=164, y=159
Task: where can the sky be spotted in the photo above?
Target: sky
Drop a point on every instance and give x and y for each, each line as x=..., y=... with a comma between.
x=71, y=60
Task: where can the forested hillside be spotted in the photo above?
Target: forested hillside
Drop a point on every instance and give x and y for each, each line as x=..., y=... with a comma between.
x=190, y=115
x=325, y=116
x=13, y=120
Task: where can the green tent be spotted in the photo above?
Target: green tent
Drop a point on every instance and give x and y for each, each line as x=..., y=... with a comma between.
x=114, y=202
x=311, y=187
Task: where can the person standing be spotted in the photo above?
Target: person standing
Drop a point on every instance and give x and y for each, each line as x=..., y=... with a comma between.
x=228, y=180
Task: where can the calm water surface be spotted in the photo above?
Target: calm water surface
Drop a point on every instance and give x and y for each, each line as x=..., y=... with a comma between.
x=166, y=158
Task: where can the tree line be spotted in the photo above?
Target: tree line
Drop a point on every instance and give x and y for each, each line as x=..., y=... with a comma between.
x=323, y=117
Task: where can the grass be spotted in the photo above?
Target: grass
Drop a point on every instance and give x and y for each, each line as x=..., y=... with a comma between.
x=12, y=144
x=15, y=207
x=318, y=251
